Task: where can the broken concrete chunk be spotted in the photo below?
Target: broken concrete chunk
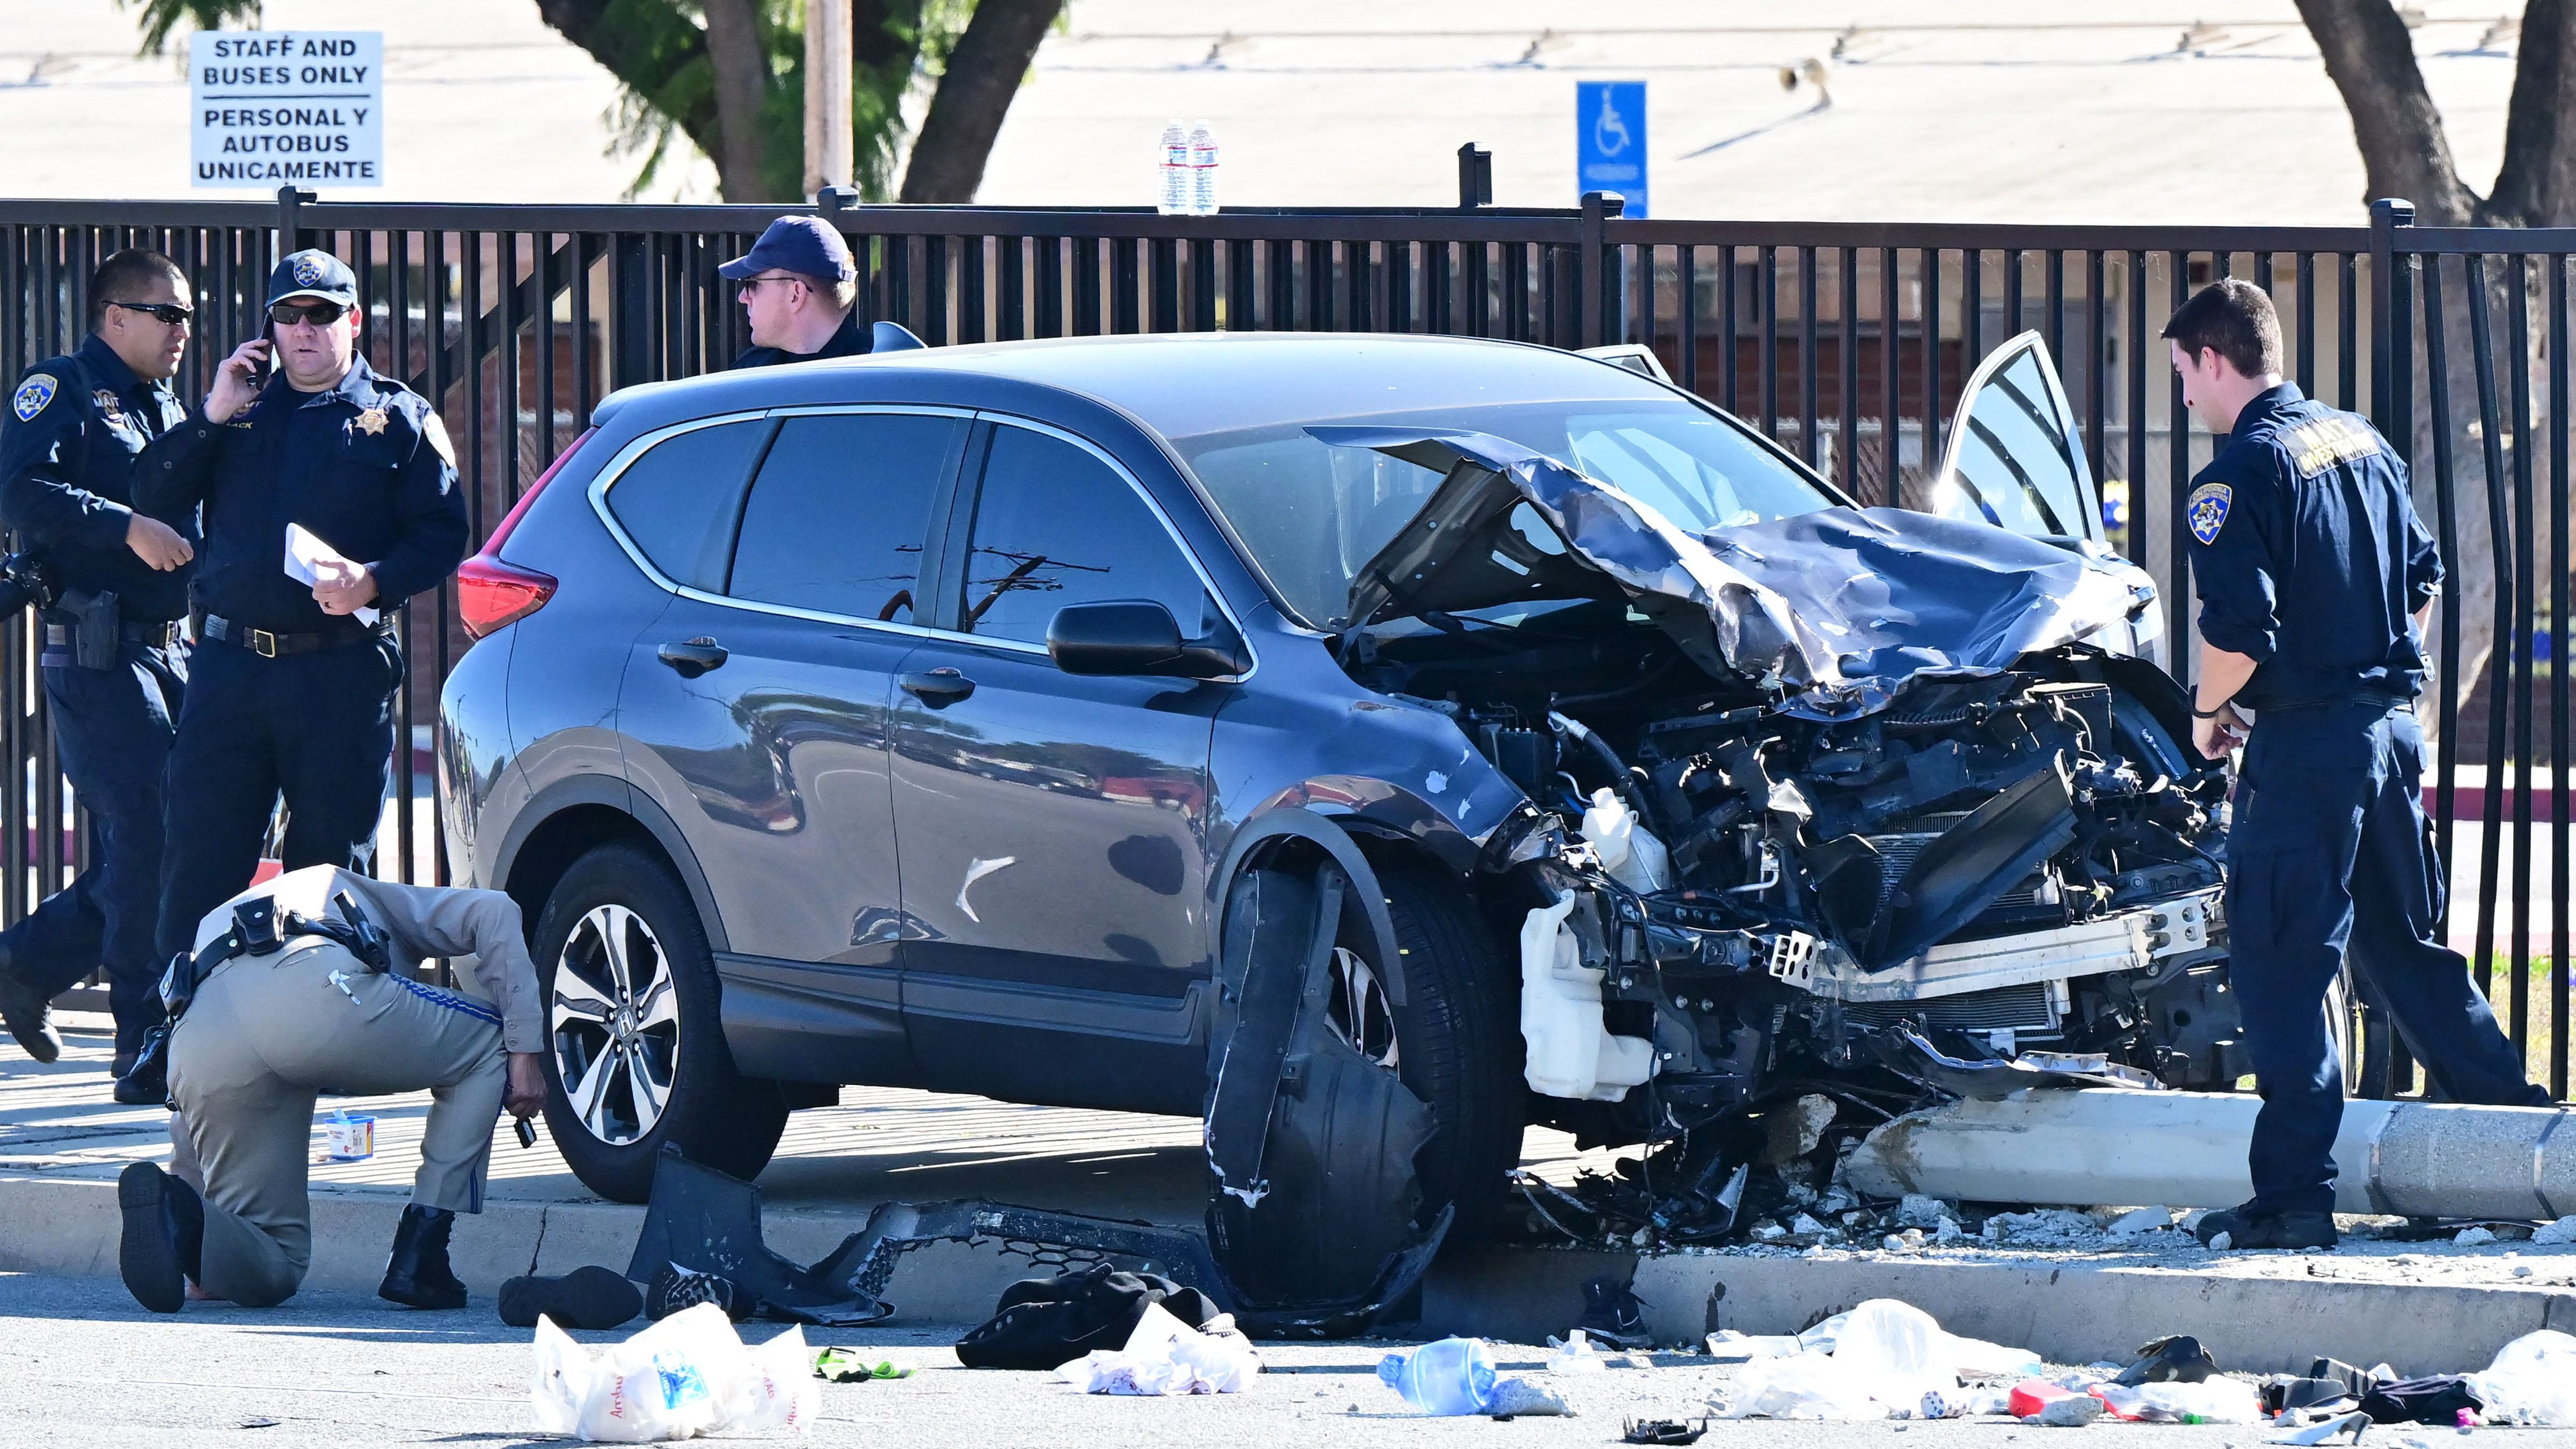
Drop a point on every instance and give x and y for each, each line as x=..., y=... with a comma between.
x=2561, y=1231
x=1920, y=1211
x=2140, y=1220
x=2474, y=1237
x=2073, y=1412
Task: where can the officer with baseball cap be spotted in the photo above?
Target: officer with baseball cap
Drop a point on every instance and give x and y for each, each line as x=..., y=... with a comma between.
x=801, y=290
x=292, y=683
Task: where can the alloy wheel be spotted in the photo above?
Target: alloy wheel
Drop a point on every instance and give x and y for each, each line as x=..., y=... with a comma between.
x=1358, y=1011
x=616, y=1024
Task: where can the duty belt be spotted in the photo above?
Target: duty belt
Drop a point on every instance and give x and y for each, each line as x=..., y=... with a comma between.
x=269, y=645
x=151, y=633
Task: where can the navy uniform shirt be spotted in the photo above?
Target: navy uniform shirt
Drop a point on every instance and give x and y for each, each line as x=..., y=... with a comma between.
x=2308, y=554
x=68, y=452
x=846, y=341
x=366, y=467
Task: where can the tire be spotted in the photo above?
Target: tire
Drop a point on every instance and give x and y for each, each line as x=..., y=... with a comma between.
x=1458, y=1039
x=2364, y=1039
x=666, y=1046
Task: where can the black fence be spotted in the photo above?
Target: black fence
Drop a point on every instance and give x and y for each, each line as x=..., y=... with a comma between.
x=1849, y=343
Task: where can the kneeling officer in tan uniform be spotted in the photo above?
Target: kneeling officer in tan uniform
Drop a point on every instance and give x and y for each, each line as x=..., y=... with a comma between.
x=304, y=985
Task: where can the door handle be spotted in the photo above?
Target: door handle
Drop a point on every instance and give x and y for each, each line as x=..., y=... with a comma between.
x=939, y=688
x=694, y=657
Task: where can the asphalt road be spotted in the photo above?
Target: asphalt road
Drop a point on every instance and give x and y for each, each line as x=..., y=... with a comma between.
x=90, y=1368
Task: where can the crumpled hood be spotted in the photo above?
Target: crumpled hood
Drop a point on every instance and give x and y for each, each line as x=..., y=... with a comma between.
x=1836, y=610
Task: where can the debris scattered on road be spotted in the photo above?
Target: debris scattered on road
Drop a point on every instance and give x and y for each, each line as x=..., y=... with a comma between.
x=686, y=1375
x=2352, y=1423
x=1046, y=1323
x=1450, y=1378
x=1663, y=1431
x=1878, y=1361
x=1164, y=1357
x=850, y=1366
x=589, y=1297
x=2176, y=1358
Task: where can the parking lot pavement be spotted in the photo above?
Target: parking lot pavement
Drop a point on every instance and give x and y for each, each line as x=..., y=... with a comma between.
x=89, y=1368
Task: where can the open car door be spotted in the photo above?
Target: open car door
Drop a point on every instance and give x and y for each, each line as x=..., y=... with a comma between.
x=2014, y=458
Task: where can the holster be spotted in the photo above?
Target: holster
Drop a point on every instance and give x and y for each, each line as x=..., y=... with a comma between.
x=95, y=631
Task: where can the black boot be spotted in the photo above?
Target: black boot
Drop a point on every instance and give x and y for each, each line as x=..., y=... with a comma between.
x=583, y=1298
x=418, y=1274
x=162, y=1241
x=146, y=1083
x=1613, y=1315
x=2246, y=1229
x=27, y=1014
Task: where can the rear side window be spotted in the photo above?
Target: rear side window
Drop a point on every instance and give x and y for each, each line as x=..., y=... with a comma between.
x=836, y=518
x=678, y=501
x=1055, y=526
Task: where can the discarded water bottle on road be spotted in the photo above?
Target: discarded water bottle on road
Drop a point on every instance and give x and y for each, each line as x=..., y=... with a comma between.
x=1454, y=1376
x=1202, y=170
x=1175, y=191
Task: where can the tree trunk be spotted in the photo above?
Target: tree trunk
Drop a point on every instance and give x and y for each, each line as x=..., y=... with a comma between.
x=975, y=91
x=2371, y=59
x=741, y=64
x=2536, y=185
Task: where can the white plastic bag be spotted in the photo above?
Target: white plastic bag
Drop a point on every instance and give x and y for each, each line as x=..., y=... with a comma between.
x=2211, y=1401
x=686, y=1375
x=1882, y=1357
x=2532, y=1382
x=1166, y=1356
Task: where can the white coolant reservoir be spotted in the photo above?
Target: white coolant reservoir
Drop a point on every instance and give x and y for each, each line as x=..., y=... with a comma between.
x=1629, y=851
x=1570, y=1053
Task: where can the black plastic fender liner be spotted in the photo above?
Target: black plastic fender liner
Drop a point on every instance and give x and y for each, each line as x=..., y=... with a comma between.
x=1279, y=934
x=1266, y=832
x=1973, y=862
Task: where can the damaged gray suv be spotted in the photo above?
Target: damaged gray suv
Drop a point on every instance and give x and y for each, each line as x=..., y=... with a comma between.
x=1373, y=745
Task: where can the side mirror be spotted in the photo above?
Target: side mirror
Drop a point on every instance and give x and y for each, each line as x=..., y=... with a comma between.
x=1139, y=636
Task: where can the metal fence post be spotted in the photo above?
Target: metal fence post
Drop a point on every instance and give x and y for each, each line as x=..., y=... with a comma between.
x=630, y=292
x=290, y=226
x=2387, y=359
x=1588, y=276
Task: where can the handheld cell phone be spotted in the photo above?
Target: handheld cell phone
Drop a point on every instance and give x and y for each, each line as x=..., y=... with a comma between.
x=261, y=366
x=526, y=1129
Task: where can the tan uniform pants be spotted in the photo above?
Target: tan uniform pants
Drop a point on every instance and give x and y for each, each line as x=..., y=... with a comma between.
x=265, y=1035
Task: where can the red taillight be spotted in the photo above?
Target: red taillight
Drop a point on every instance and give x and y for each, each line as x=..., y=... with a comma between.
x=491, y=593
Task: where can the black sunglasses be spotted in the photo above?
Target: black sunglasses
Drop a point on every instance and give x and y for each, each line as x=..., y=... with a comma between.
x=169, y=314
x=320, y=314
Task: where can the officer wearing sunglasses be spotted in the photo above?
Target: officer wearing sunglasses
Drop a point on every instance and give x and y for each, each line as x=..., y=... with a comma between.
x=70, y=447
x=292, y=683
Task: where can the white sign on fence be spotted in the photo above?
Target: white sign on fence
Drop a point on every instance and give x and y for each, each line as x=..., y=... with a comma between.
x=288, y=107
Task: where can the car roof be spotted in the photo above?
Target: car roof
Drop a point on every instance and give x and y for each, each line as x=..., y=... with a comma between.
x=1179, y=385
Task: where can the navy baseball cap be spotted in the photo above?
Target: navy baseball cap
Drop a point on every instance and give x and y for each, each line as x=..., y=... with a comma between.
x=805, y=245
x=313, y=273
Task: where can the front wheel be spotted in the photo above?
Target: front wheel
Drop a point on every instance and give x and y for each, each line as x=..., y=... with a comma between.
x=635, y=1051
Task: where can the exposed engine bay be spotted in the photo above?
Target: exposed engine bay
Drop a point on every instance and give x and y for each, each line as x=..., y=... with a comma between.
x=1892, y=812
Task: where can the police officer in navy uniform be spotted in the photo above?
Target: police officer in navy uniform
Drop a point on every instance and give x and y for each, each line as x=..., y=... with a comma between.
x=2316, y=580
x=800, y=291
x=112, y=667
x=293, y=682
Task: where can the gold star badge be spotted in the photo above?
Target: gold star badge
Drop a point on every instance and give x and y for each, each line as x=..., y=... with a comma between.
x=372, y=421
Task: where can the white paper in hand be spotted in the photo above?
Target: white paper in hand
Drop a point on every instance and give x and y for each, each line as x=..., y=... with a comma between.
x=305, y=555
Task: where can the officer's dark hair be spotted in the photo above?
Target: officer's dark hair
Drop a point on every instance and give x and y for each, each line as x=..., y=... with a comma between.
x=2234, y=319
x=125, y=276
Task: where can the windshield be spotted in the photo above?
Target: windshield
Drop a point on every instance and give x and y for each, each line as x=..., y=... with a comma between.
x=1312, y=513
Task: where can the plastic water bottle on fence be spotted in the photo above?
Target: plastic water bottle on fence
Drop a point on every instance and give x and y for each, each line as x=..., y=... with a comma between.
x=1451, y=1377
x=1202, y=170
x=1175, y=171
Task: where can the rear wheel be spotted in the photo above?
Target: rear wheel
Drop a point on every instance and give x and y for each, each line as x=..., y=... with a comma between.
x=635, y=1052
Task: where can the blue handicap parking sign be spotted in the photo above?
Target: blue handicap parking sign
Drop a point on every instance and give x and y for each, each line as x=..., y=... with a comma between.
x=1610, y=141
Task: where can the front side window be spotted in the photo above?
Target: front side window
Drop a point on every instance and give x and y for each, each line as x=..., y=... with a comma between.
x=1054, y=525
x=836, y=519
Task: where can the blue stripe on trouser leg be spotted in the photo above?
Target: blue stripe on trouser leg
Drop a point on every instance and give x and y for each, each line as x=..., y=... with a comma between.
x=269, y=1031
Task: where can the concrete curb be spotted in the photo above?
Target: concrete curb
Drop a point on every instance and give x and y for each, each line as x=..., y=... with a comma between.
x=67, y=1226
x=2068, y=1314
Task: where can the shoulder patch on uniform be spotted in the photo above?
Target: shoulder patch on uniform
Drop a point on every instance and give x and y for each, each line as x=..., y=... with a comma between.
x=32, y=396
x=434, y=428
x=2207, y=510
x=2316, y=446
